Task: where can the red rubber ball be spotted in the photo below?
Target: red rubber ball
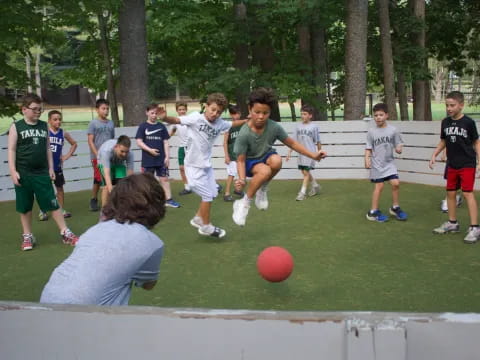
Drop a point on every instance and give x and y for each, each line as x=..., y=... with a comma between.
x=275, y=264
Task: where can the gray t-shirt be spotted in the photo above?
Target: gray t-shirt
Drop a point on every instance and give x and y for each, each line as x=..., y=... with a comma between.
x=101, y=131
x=107, y=260
x=108, y=159
x=382, y=142
x=309, y=136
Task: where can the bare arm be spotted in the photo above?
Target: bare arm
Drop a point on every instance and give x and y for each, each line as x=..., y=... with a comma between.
x=91, y=144
x=476, y=145
x=143, y=146
x=368, y=158
x=441, y=145
x=73, y=146
x=108, y=179
x=242, y=173
x=225, y=148
x=12, y=149
x=294, y=145
x=166, y=149
x=50, y=160
x=162, y=115
x=239, y=122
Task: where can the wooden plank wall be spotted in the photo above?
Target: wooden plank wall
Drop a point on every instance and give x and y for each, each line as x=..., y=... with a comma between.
x=343, y=140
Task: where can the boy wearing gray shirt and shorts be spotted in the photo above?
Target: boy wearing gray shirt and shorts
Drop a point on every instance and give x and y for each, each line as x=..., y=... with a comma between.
x=382, y=140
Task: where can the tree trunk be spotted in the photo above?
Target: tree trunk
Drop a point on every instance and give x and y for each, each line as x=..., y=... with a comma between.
x=38, y=81
x=133, y=61
x=418, y=89
x=402, y=95
x=292, y=110
x=107, y=62
x=355, y=59
x=428, y=102
x=319, y=61
x=28, y=70
x=387, y=58
x=241, y=49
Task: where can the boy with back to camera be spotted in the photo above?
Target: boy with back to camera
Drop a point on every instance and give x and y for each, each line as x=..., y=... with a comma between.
x=117, y=253
x=31, y=169
x=152, y=137
x=256, y=157
x=460, y=137
x=230, y=157
x=382, y=140
x=99, y=130
x=57, y=138
x=203, y=130
x=307, y=134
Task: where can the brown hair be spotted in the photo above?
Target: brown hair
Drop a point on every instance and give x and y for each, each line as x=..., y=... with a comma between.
x=308, y=109
x=262, y=95
x=381, y=107
x=219, y=99
x=101, y=102
x=138, y=198
x=152, y=106
x=54, y=112
x=233, y=109
x=31, y=98
x=124, y=140
x=181, y=103
x=456, y=95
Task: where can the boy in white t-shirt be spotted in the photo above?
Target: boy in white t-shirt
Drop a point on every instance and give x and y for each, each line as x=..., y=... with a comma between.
x=203, y=129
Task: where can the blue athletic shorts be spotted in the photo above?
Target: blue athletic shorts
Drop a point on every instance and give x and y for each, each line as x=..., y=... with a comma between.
x=250, y=163
x=387, y=178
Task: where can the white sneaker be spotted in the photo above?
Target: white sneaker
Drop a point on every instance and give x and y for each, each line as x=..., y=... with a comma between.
x=301, y=196
x=240, y=212
x=261, y=199
x=196, y=222
x=314, y=190
x=444, y=206
x=472, y=235
x=210, y=230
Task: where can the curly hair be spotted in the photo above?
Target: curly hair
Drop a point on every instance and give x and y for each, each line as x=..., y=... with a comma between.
x=219, y=99
x=262, y=95
x=138, y=198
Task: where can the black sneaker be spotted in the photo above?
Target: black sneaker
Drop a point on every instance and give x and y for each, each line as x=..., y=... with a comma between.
x=185, y=192
x=93, y=205
x=227, y=198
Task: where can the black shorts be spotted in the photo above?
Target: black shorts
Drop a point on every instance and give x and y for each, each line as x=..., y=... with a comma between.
x=59, y=179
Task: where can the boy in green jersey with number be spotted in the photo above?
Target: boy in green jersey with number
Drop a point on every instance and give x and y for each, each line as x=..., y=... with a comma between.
x=31, y=168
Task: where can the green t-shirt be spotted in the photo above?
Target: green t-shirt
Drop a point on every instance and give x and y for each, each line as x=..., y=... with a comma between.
x=232, y=136
x=31, y=154
x=254, y=145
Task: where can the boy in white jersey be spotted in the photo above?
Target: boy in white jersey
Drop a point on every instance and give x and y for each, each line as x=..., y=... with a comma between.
x=203, y=129
x=307, y=134
x=382, y=140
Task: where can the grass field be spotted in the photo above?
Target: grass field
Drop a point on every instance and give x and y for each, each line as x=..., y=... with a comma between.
x=342, y=261
x=77, y=118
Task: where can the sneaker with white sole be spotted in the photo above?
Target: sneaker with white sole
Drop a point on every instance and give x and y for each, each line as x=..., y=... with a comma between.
x=376, y=216
x=447, y=227
x=42, y=216
x=69, y=238
x=261, y=199
x=473, y=235
x=212, y=231
x=28, y=242
x=196, y=222
x=240, y=212
x=172, y=203
x=444, y=206
x=301, y=196
x=398, y=213
x=314, y=190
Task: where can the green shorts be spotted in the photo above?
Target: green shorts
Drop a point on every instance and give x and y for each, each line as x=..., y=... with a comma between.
x=39, y=187
x=306, y=168
x=181, y=155
x=116, y=173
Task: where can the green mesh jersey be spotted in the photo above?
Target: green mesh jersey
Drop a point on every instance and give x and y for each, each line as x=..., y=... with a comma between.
x=31, y=154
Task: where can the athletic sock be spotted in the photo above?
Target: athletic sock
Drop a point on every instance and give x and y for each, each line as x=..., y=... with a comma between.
x=303, y=190
x=453, y=221
x=187, y=187
x=246, y=199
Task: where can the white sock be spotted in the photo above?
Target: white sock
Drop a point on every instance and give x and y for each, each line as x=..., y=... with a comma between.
x=187, y=187
x=208, y=229
x=314, y=183
x=303, y=190
x=264, y=187
x=246, y=199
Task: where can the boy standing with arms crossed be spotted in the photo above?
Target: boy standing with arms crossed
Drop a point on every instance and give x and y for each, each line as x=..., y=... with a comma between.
x=307, y=134
x=31, y=169
x=152, y=137
x=230, y=157
x=203, y=129
x=382, y=140
x=99, y=130
x=57, y=138
x=460, y=137
x=256, y=157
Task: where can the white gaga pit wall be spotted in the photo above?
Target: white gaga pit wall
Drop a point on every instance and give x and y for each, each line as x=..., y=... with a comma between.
x=343, y=140
x=43, y=332
x=33, y=331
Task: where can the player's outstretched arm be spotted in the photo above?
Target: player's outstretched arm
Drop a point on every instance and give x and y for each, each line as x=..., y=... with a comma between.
x=162, y=115
x=294, y=145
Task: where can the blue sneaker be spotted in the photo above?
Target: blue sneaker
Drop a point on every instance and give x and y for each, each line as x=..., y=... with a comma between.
x=376, y=216
x=398, y=213
x=172, y=203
